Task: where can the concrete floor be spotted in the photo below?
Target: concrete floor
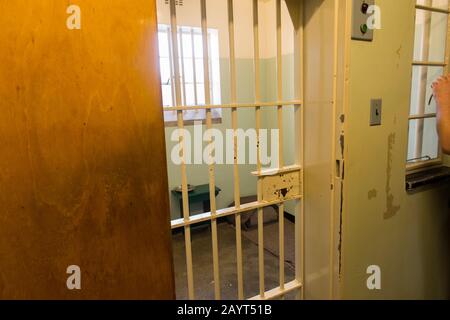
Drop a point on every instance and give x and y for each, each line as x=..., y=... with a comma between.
x=203, y=268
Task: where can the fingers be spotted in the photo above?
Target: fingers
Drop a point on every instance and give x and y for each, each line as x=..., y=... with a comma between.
x=435, y=83
x=440, y=80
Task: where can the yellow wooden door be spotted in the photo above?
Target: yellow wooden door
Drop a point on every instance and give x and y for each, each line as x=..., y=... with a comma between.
x=83, y=177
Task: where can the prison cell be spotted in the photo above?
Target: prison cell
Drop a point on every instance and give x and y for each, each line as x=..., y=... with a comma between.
x=262, y=175
x=266, y=178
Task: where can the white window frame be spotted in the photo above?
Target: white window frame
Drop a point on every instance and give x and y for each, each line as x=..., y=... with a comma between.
x=427, y=164
x=196, y=114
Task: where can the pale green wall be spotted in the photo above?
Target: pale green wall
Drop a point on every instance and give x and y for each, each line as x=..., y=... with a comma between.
x=406, y=235
x=270, y=94
x=271, y=119
x=198, y=174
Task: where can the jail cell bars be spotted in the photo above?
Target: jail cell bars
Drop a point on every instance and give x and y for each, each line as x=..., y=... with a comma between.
x=275, y=176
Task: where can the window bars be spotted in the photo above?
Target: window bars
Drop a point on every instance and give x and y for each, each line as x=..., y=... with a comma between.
x=421, y=114
x=191, y=78
x=282, y=178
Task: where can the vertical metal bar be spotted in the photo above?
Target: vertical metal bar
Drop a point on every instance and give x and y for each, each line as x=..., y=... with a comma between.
x=172, y=76
x=183, y=70
x=279, y=84
x=194, y=68
x=262, y=287
x=300, y=150
x=425, y=50
x=234, y=121
x=280, y=137
x=211, y=76
x=333, y=151
x=212, y=183
x=281, y=242
x=187, y=228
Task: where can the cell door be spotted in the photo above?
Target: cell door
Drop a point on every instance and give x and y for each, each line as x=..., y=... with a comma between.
x=81, y=134
x=213, y=83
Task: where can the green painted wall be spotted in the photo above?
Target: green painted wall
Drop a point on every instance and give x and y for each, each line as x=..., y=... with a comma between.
x=198, y=174
x=406, y=235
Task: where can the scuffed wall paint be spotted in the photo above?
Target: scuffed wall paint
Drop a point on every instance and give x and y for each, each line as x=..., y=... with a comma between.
x=372, y=194
x=391, y=208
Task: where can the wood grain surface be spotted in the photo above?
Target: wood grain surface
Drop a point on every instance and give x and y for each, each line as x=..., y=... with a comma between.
x=82, y=154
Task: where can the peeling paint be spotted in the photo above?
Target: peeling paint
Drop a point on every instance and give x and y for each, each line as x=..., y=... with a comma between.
x=281, y=186
x=341, y=204
x=391, y=208
x=341, y=212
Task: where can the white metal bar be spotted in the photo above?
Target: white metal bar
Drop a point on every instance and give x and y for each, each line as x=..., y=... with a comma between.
x=423, y=82
x=281, y=244
x=299, y=152
x=234, y=121
x=429, y=64
x=174, y=46
x=211, y=76
x=194, y=68
x=333, y=151
x=245, y=207
x=280, y=140
x=425, y=116
x=172, y=76
x=280, y=292
x=279, y=83
x=432, y=9
x=277, y=171
x=186, y=215
x=258, y=147
x=183, y=69
x=211, y=169
x=235, y=105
